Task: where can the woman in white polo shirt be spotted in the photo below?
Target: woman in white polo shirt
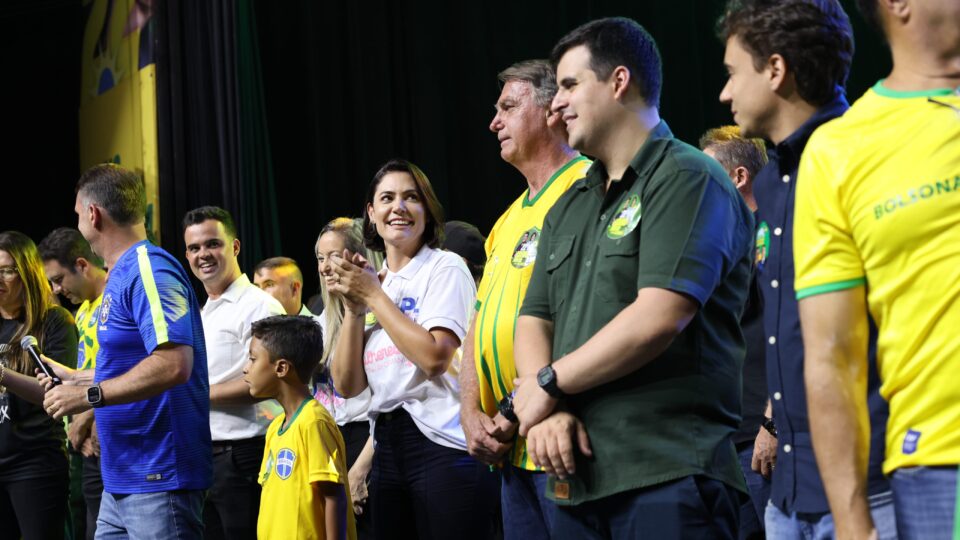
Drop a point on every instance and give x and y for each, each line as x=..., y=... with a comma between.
x=400, y=335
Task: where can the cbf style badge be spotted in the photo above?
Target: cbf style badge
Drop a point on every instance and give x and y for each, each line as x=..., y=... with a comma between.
x=762, y=248
x=525, y=252
x=285, y=460
x=626, y=219
x=105, y=308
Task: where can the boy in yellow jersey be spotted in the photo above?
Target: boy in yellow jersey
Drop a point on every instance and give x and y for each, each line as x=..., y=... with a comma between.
x=304, y=471
x=76, y=272
x=877, y=230
x=535, y=143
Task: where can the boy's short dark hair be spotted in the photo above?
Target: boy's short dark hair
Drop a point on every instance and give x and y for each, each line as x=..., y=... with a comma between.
x=199, y=215
x=813, y=36
x=65, y=245
x=618, y=41
x=294, y=338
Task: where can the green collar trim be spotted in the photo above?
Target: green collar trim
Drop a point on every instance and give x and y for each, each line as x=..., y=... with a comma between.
x=527, y=201
x=287, y=423
x=882, y=90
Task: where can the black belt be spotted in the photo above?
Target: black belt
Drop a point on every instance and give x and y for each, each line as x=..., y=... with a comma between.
x=220, y=447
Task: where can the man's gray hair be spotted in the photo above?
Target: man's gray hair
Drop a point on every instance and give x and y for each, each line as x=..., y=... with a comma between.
x=540, y=75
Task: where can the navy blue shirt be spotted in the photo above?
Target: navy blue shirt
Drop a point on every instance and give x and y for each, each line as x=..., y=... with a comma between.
x=797, y=486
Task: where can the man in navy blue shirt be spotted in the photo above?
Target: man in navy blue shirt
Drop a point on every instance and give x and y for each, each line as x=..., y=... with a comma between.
x=788, y=62
x=150, y=384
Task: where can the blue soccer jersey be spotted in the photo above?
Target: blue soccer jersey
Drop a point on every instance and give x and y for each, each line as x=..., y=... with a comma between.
x=161, y=443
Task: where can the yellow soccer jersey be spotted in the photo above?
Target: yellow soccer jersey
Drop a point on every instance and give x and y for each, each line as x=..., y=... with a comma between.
x=309, y=449
x=511, y=251
x=87, y=317
x=878, y=204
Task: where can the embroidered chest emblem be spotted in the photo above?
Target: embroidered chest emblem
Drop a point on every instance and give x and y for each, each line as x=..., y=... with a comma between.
x=626, y=218
x=105, y=308
x=762, y=248
x=285, y=461
x=525, y=252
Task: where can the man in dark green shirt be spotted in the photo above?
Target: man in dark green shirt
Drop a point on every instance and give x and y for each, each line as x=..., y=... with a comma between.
x=628, y=344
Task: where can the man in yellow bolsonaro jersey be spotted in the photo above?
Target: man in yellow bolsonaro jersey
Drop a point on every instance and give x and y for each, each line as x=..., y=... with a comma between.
x=535, y=142
x=877, y=229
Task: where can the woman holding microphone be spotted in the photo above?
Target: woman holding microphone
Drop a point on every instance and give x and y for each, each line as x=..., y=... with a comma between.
x=401, y=332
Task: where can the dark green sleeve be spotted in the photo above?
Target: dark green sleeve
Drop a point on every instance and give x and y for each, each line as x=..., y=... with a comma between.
x=536, y=303
x=692, y=231
x=59, y=340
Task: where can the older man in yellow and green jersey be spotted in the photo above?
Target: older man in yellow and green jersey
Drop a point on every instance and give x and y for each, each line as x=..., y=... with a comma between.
x=536, y=144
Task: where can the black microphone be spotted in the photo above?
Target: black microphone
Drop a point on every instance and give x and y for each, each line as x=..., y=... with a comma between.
x=29, y=344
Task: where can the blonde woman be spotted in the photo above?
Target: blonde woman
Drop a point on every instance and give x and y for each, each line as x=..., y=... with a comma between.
x=33, y=462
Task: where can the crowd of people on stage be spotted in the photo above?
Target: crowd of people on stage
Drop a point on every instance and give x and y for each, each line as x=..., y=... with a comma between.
x=756, y=337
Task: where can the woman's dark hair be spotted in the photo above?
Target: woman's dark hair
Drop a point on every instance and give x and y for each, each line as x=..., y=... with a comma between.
x=813, y=36
x=433, y=231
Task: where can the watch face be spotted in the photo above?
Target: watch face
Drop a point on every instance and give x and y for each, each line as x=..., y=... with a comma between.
x=93, y=394
x=544, y=376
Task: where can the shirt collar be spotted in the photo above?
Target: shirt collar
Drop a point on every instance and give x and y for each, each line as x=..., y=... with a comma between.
x=642, y=162
x=794, y=144
x=409, y=271
x=235, y=290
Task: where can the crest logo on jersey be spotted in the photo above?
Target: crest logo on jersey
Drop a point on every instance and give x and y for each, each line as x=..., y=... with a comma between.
x=626, y=218
x=762, y=247
x=105, y=308
x=285, y=460
x=525, y=252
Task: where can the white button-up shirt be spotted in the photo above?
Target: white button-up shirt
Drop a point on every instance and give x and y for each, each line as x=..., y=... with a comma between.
x=226, y=324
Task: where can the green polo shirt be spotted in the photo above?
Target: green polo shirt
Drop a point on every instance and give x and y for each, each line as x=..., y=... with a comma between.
x=674, y=221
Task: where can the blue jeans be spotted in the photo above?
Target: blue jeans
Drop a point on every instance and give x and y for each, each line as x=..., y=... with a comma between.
x=820, y=526
x=751, y=511
x=527, y=513
x=164, y=515
x=926, y=502
x=690, y=507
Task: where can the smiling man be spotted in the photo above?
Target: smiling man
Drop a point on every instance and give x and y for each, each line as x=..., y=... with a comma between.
x=629, y=352
x=236, y=424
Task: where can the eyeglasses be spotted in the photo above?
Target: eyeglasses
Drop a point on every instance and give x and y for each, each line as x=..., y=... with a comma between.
x=7, y=273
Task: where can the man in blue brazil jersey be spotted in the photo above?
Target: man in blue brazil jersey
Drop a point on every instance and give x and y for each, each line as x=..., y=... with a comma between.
x=150, y=384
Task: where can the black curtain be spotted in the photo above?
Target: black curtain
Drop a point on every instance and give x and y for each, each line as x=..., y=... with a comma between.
x=212, y=124
x=349, y=85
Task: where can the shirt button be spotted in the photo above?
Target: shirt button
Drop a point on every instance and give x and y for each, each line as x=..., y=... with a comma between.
x=551, y=256
x=588, y=264
x=786, y=178
x=772, y=340
x=774, y=284
x=778, y=231
x=777, y=396
x=787, y=448
x=603, y=217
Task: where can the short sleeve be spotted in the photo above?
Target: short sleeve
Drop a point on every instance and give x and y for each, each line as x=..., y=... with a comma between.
x=327, y=463
x=449, y=297
x=692, y=233
x=59, y=340
x=161, y=303
x=825, y=255
x=536, y=301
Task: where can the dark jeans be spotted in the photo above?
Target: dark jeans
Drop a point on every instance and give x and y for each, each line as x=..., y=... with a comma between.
x=420, y=489
x=527, y=513
x=35, y=509
x=355, y=435
x=752, y=510
x=92, y=491
x=233, y=502
x=693, y=507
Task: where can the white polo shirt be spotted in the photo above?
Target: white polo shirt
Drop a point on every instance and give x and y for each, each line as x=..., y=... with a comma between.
x=344, y=410
x=226, y=325
x=436, y=290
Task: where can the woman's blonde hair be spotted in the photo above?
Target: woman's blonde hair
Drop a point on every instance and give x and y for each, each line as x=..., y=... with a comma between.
x=36, y=295
x=351, y=232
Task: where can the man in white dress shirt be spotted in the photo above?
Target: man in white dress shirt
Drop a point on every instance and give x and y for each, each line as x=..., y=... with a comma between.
x=237, y=423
